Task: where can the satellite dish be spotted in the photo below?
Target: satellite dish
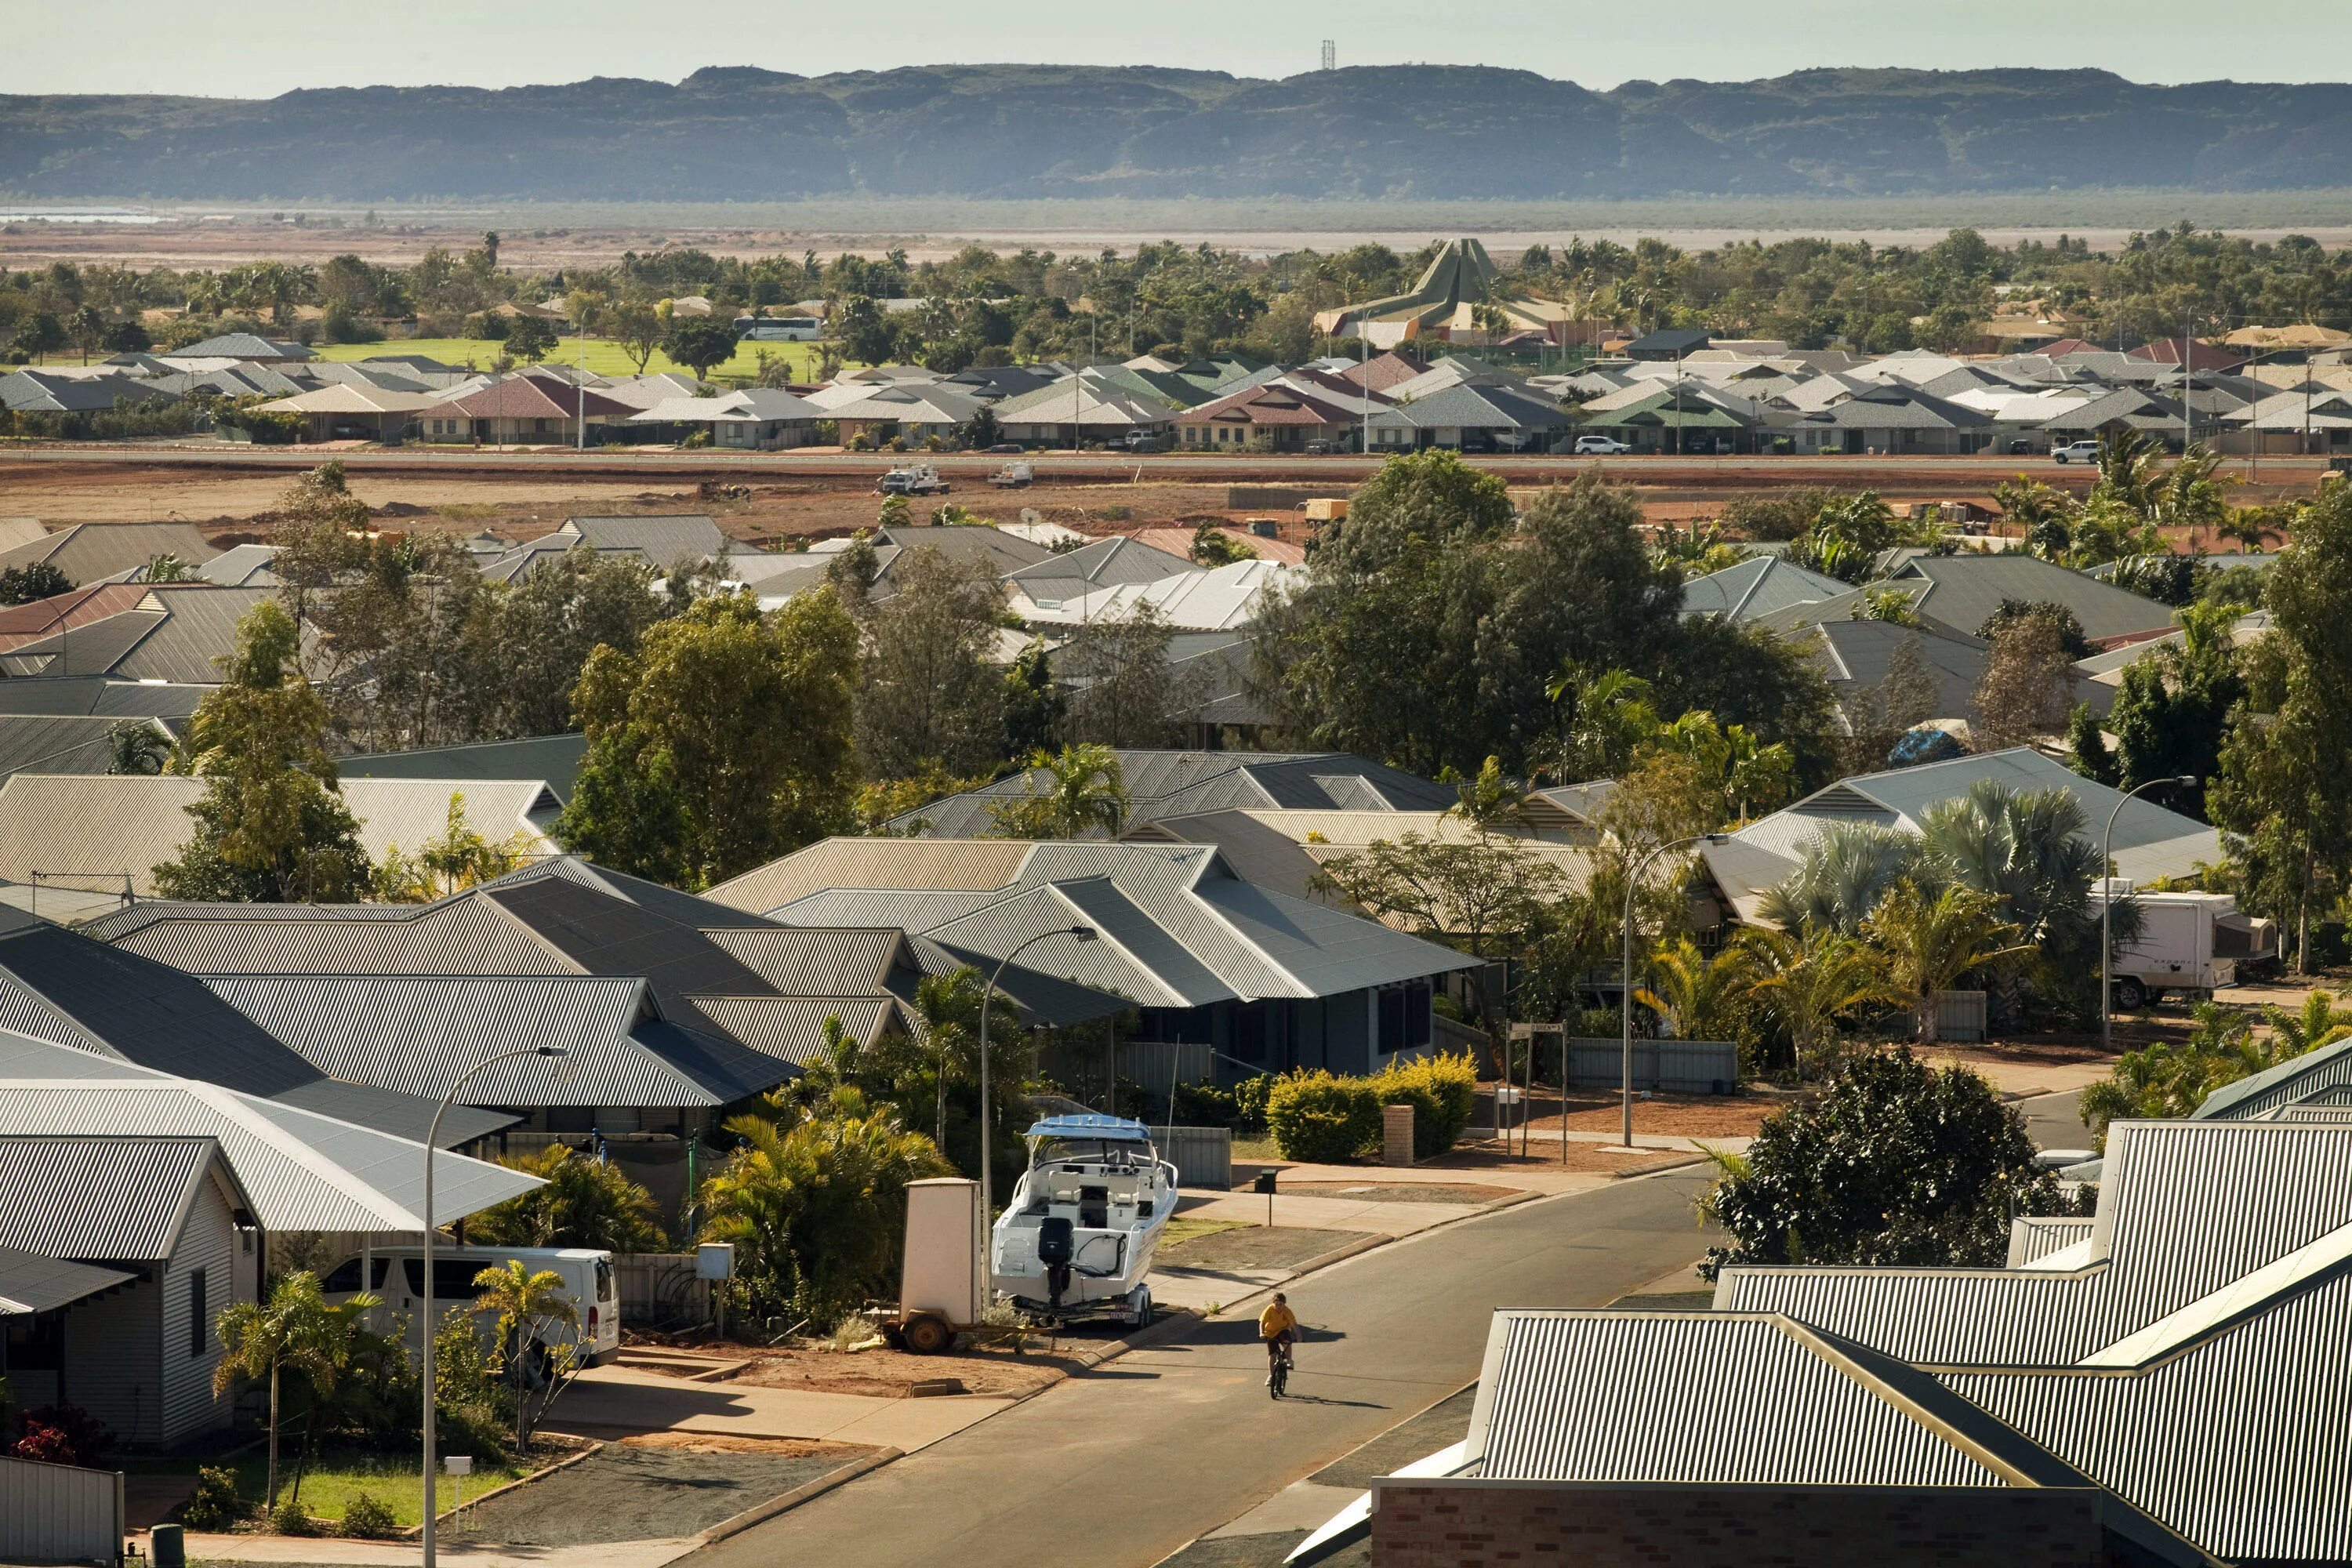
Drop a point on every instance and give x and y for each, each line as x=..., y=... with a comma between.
x=1029, y=514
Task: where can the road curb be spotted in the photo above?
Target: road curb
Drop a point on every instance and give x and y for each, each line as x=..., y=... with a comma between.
x=785, y=1502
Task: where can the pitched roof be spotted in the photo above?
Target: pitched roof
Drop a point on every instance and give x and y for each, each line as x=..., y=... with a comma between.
x=1217, y=599
x=553, y=758
x=31, y=1283
x=2150, y=841
x=113, y=1200
x=75, y=991
x=1759, y=586
x=87, y=551
x=242, y=345
x=113, y=823
x=2311, y=1075
x=527, y=396
x=1176, y=782
x=302, y=1170
x=660, y=538
x=1964, y=590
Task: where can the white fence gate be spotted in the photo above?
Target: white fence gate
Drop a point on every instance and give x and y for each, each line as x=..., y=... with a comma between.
x=59, y=1513
x=1670, y=1066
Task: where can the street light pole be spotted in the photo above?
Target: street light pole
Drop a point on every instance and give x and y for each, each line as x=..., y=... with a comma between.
x=1633, y=886
x=432, y=1133
x=2106, y=907
x=987, y=1183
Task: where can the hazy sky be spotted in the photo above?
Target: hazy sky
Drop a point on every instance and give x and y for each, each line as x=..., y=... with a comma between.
x=260, y=48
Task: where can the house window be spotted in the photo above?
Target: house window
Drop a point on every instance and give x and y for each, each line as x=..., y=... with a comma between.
x=199, y=1324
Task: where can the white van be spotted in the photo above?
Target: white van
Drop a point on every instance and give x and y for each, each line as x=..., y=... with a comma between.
x=399, y=1280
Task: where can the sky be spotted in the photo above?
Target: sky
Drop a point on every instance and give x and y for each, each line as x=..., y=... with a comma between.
x=257, y=48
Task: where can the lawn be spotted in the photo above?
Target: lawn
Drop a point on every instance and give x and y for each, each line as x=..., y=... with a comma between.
x=338, y=1477
x=1181, y=1229
x=601, y=355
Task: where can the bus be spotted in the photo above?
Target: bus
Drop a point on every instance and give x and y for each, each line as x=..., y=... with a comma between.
x=779, y=329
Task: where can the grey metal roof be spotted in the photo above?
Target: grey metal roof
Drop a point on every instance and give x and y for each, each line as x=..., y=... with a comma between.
x=1964, y=590
x=243, y=346
x=2311, y=1075
x=93, y=648
x=660, y=539
x=303, y=1171
x=457, y=936
x=2032, y=1237
x=554, y=760
x=99, y=1200
x=1741, y=1400
x=31, y=1283
x=417, y=1035
x=2237, y=1443
x=2186, y=1209
x=102, y=998
x=95, y=694
x=1759, y=586
x=791, y=1030
x=1177, y=782
x=86, y=551
x=57, y=744
x=2150, y=841
x=815, y=962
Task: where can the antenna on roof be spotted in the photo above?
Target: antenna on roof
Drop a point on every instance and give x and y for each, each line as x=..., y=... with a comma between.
x=1330, y=55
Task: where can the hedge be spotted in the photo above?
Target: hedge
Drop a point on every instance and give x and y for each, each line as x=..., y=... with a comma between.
x=1323, y=1119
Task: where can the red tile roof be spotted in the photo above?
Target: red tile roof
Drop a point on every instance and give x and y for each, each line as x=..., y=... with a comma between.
x=1267, y=405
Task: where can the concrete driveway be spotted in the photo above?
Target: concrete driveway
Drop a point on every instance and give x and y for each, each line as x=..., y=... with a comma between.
x=610, y=1401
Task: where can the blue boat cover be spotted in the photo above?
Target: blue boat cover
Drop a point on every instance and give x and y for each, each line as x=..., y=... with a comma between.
x=1116, y=1129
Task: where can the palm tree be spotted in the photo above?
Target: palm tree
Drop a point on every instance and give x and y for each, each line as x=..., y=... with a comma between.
x=1608, y=717
x=2128, y=468
x=2320, y=1023
x=2250, y=526
x=1929, y=942
x=2031, y=849
x=137, y=746
x=2191, y=495
x=1084, y=791
x=1815, y=983
x=1845, y=873
x=530, y=1309
x=294, y=1331
x=1695, y=994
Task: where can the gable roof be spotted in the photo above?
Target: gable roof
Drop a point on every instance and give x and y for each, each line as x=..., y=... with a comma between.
x=1759, y=586
x=111, y=1200
x=660, y=538
x=87, y=551
x=553, y=758
x=242, y=345
x=31, y=1283
x=2310, y=1076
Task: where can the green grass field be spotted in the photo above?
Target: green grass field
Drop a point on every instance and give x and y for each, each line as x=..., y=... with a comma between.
x=332, y=1483
x=600, y=354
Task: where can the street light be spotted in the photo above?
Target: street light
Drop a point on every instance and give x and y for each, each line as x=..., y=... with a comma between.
x=987, y=1185
x=2106, y=907
x=432, y=1135
x=1633, y=886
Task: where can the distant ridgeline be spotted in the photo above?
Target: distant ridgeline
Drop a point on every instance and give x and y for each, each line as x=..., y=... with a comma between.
x=1423, y=132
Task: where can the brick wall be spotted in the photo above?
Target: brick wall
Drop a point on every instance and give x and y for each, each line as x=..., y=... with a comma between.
x=1470, y=1524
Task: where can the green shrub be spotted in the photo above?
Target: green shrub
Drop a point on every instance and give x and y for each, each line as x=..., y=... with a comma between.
x=287, y=1518
x=214, y=1505
x=1202, y=1105
x=366, y=1517
x=1443, y=1091
x=1322, y=1119
x=1249, y=1102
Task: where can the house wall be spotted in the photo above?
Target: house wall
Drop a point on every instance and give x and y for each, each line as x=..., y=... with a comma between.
x=112, y=1365
x=1474, y=1524
x=208, y=1241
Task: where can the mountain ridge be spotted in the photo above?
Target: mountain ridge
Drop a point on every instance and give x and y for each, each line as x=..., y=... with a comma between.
x=1420, y=133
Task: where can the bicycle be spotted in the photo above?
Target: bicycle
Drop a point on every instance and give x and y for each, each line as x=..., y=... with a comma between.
x=1278, y=1374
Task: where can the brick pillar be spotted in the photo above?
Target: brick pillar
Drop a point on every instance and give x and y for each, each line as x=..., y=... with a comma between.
x=1396, y=1134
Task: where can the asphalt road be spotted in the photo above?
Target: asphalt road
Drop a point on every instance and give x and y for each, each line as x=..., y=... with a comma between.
x=1126, y=1464
x=2055, y=1120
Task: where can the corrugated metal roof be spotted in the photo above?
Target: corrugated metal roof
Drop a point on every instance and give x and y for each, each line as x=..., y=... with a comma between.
x=1736, y=1400
x=660, y=539
x=792, y=1028
x=103, y=1200
x=2237, y=1443
x=1756, y=586
x=2033, y=1239
x=418, y=1034
x=1964, y=590
x=303, y=1171
x=813, y=962
x=2185, y=1208
x=31, y=1283
x=459, y=936
x=872, y=863
x=553, y=758
x=2315, y=1073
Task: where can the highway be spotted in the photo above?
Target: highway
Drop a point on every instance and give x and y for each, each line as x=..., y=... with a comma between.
x=1123, y=1465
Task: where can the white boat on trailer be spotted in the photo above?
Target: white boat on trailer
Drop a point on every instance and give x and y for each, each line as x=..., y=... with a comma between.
x=1077, y=1235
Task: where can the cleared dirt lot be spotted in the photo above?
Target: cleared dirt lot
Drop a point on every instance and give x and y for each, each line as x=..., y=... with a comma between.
x=632, y=1491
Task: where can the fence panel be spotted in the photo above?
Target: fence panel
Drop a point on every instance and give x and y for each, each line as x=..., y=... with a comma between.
x=1961, y=1015
x=1149, y=1062
x=59, y=1513
x=1668, y=1066
x=659, y=1290
x=1203, y=1156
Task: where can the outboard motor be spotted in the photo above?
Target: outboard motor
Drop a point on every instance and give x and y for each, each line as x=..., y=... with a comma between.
x=1056, y=1247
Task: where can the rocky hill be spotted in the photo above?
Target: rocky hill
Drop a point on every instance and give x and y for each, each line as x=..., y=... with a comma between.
x=1425, y=133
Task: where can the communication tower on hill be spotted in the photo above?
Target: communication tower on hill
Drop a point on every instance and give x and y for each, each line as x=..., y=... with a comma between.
x=1330, y=54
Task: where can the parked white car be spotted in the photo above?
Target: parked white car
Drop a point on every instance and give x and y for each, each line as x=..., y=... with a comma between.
x=398, y=1278
x=2076, y=452
x=1600, y=445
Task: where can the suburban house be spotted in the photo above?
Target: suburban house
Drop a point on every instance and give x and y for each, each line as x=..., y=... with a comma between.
x=1274, y=417
x=757, y=418
x=1084, y=406
x=1758, y=586
x=1265, y=979
x=524, y=410
x=146, y=1241
x=1484, y=416
x=357, y=412
x=2150, y=841
x=1857, y=658
x=882, y=411
x=92, y=552
x=1961, y=593
x=249, y=346
x=136, y=1206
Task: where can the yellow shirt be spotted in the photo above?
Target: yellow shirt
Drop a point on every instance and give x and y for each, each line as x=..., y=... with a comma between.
x=1276, y=1319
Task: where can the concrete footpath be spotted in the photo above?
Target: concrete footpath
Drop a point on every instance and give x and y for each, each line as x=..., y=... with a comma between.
x=332, y=1552
x=609, y=1400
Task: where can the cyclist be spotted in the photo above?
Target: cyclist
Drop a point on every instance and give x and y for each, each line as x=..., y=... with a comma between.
x=1278, y=1326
